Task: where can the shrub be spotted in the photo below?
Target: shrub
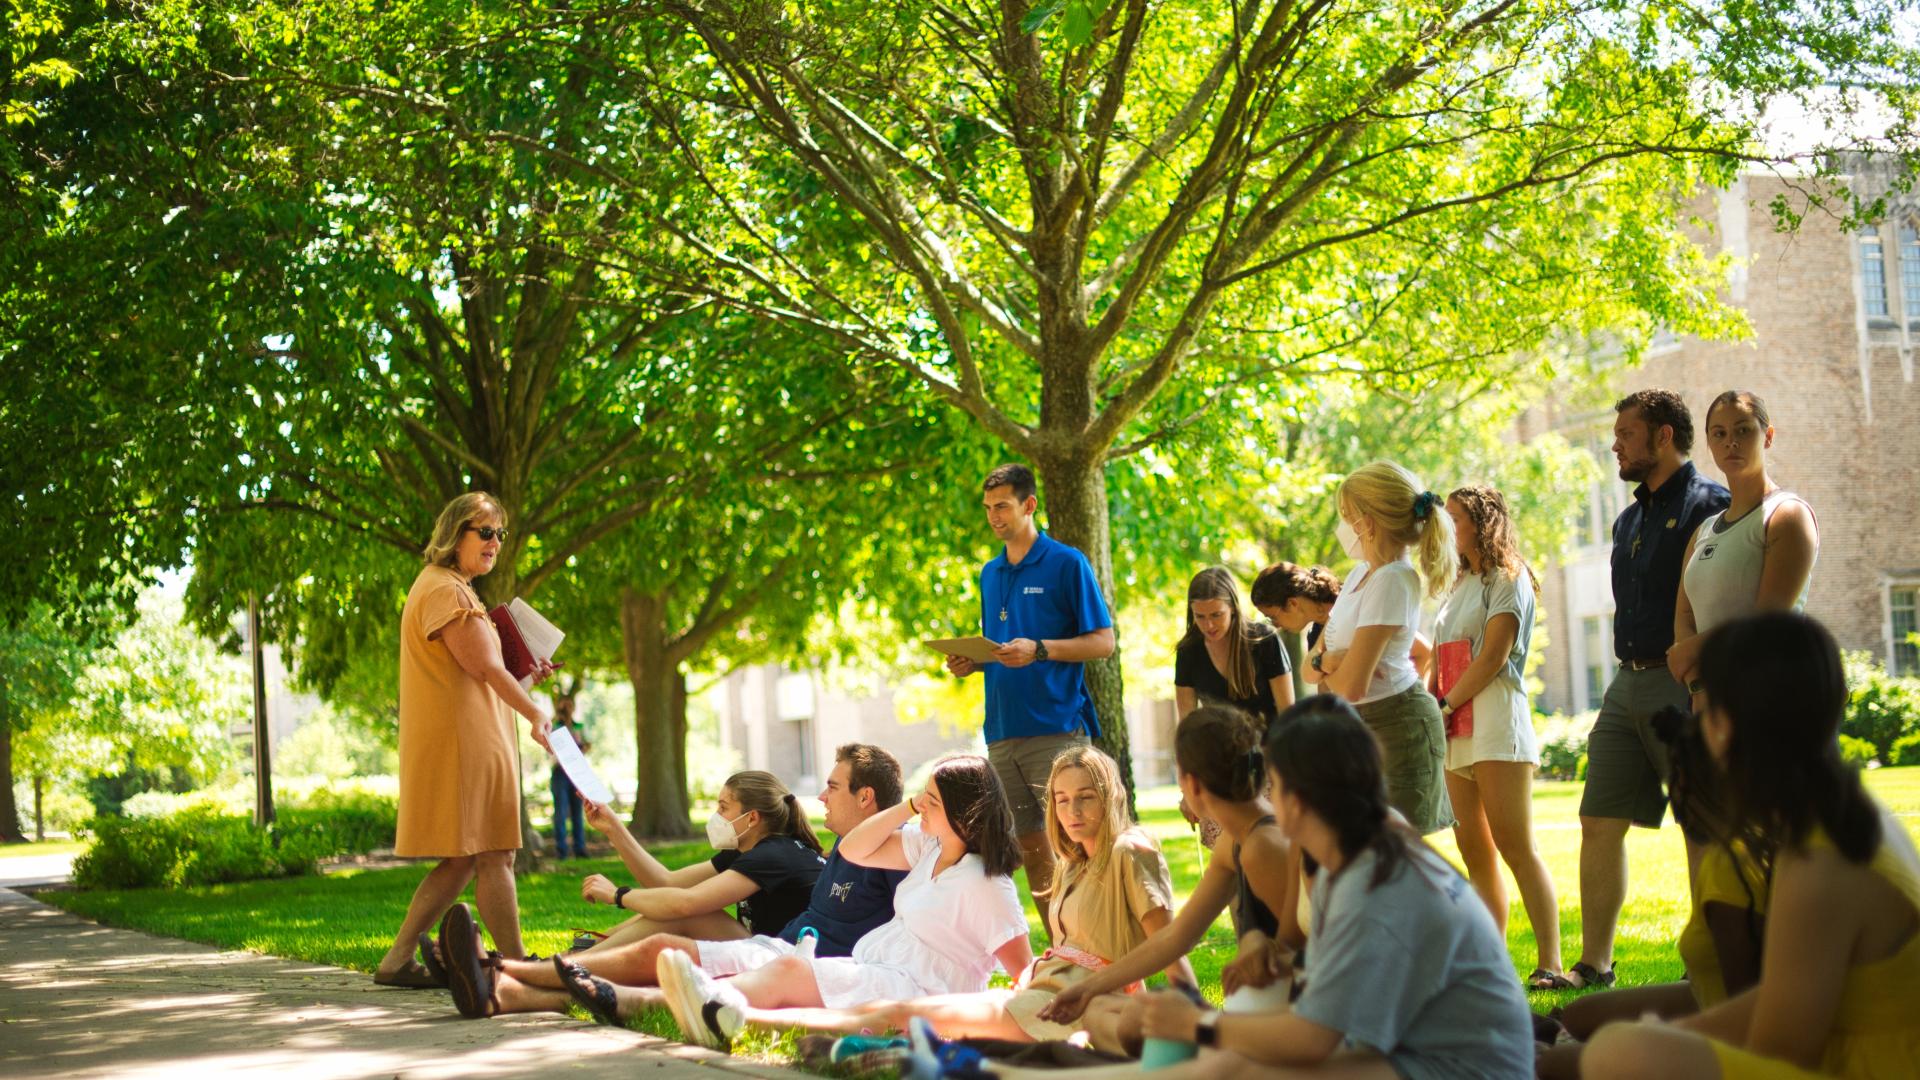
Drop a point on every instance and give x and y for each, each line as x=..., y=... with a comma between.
x=1563, y=745
x=1856, y=751
x=129, y=853
x=201, y=843
x=347, y=821
x=1881, y=708
x=1906, y=751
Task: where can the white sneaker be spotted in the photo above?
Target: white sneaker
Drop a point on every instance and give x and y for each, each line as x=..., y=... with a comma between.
x=710, y=1013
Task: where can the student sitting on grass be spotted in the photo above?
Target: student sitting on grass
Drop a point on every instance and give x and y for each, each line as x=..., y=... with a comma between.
x=848, y=902
x=1839, y=986
x=1218, y=765
x=956, y=915
x=1405, y=976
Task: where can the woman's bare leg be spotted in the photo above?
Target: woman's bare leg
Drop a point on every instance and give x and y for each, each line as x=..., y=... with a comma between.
x=498, y=899
x=517, y=997
x=952, y=1016
x=1113, y=1023
x=1649, y=1052
x=1506, y=796
x=712, y=926
x=1471, y=833
x=632, y=964
x=435, y=894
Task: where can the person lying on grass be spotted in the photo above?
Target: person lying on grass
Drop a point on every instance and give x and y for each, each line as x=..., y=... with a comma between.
x=1404, y=976
x=1218, y=765
x=1839, y=986
x=956, y=915
x=848, y=902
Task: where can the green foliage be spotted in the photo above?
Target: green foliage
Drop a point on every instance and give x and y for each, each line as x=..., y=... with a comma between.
x=1881, y=708
x=348, y=821
x=1906, y=751
x=336, y=744
x=1857, y=751
x=1563, y=745
x=201, y=843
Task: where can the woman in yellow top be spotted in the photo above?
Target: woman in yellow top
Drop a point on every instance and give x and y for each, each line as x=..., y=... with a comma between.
x=459, y=781
x=1839, y=989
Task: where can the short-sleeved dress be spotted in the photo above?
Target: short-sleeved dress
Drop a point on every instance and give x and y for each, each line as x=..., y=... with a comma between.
x=1096, y=910
x=459, y=788
x=1502, y=717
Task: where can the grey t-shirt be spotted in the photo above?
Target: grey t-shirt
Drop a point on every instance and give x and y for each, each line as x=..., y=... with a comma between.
x=1415, y=970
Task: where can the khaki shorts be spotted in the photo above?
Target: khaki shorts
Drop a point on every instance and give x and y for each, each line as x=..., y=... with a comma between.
x=1413, y=753
x=1024, y=765
x=1626, y=761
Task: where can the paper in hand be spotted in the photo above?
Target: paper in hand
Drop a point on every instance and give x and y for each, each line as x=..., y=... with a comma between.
x=585, y=780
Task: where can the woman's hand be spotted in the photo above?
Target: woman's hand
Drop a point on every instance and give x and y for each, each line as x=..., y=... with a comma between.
x=1683, y=659
x=596, y=889
x=1067, y=1005
x=600, y=816
x=1169, y=1015
x=1253, y=967
x=539, y=729
x=543, y=670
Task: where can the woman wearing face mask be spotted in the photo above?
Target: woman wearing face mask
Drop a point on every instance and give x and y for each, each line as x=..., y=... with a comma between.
x=956, y=916
x=1839, y=985
x=1367, y=654
x=1758, y=553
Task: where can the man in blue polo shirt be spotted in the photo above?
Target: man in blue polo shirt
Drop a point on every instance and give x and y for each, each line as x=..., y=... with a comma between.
x=1626, y=760
x=1039, y=598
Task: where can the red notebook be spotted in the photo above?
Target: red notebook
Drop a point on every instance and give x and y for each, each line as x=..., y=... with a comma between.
x=524, y=635
x=1451, y=659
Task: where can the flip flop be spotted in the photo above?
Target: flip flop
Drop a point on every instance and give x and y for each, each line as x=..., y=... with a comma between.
x=470, y=971
x=594, y=993
x=430, y=960
x=411, y=976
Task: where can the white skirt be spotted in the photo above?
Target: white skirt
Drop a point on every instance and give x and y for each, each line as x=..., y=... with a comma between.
x=846, y=984
x=1502, y=729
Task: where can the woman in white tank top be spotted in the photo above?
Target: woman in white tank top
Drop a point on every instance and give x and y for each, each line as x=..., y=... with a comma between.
x=1756, y=555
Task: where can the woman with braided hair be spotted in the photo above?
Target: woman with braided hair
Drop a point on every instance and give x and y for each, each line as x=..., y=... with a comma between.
x=1366, y=654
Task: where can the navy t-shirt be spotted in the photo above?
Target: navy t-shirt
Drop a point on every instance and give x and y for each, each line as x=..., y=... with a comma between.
x=1193, y=668
x=1050, y=595
x=1649, y=552
x=849, y=901
x=785, y=869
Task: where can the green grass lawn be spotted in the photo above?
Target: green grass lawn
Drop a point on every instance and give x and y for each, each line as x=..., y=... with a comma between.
x=44, y=847
x=348, y=918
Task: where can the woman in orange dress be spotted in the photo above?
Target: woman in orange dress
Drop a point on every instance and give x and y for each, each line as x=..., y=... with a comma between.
x=459, y=782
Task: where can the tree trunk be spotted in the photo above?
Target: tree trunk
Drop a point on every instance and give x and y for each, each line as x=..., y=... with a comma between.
x=1074, y=495
x=660, y=799
x=9, y=814
x=39, y=818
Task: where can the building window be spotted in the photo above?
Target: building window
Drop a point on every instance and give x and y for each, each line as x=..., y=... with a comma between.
x=1873, y=274
x=1910, y=272
x=1902, y=600
x=1596, y=645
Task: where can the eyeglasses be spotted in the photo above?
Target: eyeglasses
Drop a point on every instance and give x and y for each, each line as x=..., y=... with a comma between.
x=488, y=532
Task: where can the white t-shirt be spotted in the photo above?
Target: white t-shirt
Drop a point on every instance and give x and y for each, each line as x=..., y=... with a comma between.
x=1389, y=596
x=945, y=928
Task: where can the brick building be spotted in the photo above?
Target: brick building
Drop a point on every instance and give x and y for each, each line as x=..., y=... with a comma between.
x=1835, y=321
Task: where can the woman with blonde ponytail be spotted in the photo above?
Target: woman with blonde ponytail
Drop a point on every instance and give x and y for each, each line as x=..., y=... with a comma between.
x=1366, y=654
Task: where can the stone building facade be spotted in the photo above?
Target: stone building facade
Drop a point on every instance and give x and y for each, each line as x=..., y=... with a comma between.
x=1835, y=320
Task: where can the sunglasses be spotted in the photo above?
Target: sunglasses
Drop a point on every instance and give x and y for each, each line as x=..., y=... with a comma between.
x=488, y=532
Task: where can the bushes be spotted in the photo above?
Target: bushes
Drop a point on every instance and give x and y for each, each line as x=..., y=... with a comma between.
x=201, y=843
x=1907, y=750
x=1856, y=751
x=1563, y=745
x=1881, y=709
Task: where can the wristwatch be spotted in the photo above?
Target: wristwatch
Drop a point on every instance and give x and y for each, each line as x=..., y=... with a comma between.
x=620, y=896
x=1446, y=707
x=1314, y=662
x=1039, y=650
x=1205, y=1031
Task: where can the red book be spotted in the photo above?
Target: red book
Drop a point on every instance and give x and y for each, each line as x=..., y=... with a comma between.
x=1451, y=659
x=524, y=636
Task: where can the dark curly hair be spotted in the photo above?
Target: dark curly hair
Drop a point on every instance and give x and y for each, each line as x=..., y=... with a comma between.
x=1494, y=537
x=1662, y=408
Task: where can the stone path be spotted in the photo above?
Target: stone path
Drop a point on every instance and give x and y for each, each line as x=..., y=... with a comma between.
x=82, y=1000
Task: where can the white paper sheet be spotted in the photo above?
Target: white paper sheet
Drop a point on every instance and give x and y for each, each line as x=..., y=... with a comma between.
x=567, y=752
x=542, y=637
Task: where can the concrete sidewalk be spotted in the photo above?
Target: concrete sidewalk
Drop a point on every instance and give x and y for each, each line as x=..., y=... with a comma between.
x=82, y=1000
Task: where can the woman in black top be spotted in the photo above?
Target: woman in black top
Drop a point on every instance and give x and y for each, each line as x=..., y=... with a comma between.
x=1226, y=660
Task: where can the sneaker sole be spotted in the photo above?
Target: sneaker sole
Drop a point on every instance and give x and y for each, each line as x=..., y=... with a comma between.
x=675, y=972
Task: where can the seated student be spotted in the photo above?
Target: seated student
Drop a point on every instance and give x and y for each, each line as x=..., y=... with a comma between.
x=848, y=901
x=766, y=863
x=1111, y=890
x=956, y=915
x=1405, y=976
x=1721, y=941
x=1839, y=985
x=1217, y=763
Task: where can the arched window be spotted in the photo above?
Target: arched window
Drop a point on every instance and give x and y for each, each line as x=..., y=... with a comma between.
x=1873, y=274
x=1910, y=271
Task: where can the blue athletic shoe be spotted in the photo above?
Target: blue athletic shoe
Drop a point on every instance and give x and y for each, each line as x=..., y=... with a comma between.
x=848, y=1046
x=930, y=1057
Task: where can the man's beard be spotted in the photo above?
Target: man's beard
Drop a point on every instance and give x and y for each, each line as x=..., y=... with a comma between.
x=1637, y=470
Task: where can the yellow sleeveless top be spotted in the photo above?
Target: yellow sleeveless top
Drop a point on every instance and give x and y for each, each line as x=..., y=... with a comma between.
x=1718, y=882
x=1876, y=1032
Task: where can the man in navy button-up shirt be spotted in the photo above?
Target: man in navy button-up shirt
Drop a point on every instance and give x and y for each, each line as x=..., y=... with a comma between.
x=1040, y=599
x=1626, y=760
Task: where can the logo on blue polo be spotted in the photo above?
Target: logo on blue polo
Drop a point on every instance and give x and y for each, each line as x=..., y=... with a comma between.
x=1033, y=590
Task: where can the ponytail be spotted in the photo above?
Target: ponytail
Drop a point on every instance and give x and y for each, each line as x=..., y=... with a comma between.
x=1407, y=513
x=1437, y=561
x=763, y=793
x=798, y=826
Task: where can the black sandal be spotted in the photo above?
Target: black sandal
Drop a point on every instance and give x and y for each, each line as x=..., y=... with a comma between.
x=1591, y=978
x=470, y=970
x=594, y=993
x=1542, y=979
x=411, y=976
x=430, y=960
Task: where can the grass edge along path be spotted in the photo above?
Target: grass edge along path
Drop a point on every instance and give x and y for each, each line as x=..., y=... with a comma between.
x=347, y=918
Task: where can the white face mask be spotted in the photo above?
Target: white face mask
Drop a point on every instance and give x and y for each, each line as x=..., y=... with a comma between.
x=720, y=832
x=1349, y=541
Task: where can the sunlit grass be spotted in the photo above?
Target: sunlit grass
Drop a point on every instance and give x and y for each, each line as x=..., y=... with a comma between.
x=347, y=919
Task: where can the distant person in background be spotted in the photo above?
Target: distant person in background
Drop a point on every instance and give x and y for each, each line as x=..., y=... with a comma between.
x=1491, y=749
x=1757, y=554
x=568, y=807
x=459, y=774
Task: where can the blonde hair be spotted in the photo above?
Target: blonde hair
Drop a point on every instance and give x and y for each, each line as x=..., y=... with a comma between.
x=1402, y=507
x=783, y=814
x=1113, y=815
x=453, y=521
